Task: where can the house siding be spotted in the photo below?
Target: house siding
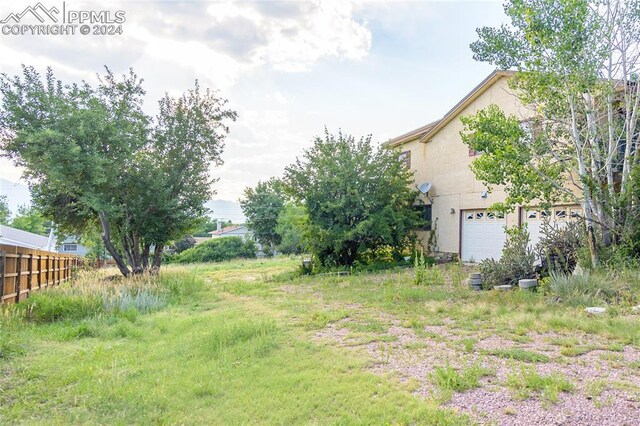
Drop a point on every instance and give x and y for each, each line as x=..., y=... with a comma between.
x=444, y=161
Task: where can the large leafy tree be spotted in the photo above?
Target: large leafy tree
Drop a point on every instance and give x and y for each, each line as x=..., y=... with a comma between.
x=292, y=227
x=359, y=198
x=31, y=220
x=94, y=159
x=262, y=206
x=577, y=65
x=5, y=213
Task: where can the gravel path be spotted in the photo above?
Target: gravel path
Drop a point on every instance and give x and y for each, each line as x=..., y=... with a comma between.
x=606, y=382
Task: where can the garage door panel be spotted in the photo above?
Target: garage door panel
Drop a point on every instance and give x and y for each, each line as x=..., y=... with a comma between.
x=483, y=235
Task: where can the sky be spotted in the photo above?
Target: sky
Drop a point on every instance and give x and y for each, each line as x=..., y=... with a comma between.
x=289, y=69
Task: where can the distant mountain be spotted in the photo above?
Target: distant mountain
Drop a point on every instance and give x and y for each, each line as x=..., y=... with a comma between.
x=17, y=194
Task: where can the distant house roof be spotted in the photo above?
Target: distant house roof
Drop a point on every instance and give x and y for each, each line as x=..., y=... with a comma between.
x=227, y=229
x=18, y=237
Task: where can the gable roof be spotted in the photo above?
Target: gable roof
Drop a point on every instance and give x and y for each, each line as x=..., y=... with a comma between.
x=427, y=132
x=227, y=229
x=413, y=134
x=18, y=237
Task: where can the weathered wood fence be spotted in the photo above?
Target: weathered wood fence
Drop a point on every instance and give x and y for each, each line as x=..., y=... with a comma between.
x=24, y=270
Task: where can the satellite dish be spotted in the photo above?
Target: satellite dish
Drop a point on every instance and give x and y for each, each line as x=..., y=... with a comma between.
x=425, y=187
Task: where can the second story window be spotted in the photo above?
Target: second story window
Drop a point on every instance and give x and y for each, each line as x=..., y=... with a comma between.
x=405, y=157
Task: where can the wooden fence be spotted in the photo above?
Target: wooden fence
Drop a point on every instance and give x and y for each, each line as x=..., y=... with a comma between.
x=24, y=270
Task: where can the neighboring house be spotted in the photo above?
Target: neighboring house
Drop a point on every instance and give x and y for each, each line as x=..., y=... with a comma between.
x=18, y=237
x=70, y=245
x=231, y=231
x=457, y=203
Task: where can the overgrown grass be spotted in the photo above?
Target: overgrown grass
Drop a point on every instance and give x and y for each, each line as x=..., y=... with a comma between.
x=209, y=359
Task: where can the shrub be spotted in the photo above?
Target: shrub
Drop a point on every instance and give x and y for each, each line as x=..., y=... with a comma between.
x=558, y=246
x=516, y=263
x=218, y=250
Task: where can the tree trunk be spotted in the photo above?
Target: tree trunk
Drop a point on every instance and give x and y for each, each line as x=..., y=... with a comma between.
x=106, y=238
x=157, y=258
x=145, y=256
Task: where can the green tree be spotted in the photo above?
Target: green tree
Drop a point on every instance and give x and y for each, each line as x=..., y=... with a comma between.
x=358, y=198
x=5, y=213
x=31, y=220
x=292, y=227
x=262, y=206
x=94, y=159
x=577, y=71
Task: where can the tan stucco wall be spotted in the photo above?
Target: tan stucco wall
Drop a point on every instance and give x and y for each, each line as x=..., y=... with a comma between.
x=444, y=161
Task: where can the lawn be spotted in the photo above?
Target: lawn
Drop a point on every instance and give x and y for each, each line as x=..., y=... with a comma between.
x=249, y=343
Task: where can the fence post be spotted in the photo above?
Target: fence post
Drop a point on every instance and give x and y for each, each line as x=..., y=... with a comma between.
x=30, y=277
x=3, y=258
x=18, y=281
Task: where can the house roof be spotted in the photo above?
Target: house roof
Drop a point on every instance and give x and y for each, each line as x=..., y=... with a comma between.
x=413, y=134
x=18, y=237
x=227, y=229
x=425, y=133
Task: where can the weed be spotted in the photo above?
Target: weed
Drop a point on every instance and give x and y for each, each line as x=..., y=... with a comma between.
x=449, y=380
x=319, y=319
x=574, y=350
x=519, y=355
x=528, y=380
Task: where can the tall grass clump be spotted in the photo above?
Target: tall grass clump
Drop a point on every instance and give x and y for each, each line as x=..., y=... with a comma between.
x=588, y=289
x=93, y=293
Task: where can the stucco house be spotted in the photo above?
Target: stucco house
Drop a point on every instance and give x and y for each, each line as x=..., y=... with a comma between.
x=457, y=203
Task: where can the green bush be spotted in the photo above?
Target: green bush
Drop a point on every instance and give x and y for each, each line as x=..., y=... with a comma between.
x=50, y=306
x=558, y=247
x=217, y=250
x=516, y=263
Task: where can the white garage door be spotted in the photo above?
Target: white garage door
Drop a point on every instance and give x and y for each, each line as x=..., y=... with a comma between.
x=556, y=216
x=483, y=235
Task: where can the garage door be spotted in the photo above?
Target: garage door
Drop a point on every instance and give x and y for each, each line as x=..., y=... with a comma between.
x=483, y=235
x=556, y=216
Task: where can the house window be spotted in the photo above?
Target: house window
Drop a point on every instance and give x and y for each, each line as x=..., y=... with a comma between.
x=561, y=214
x=405, y=157
x=491, y=216
x=544, y=214
x=469, y=216
x=479, y=215
x=575, y=213
x=70, y=247
x=532, y=215
x=426, y=217
x=500, y=215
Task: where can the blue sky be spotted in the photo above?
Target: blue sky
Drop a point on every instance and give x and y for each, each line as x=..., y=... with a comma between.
x=288, y=68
